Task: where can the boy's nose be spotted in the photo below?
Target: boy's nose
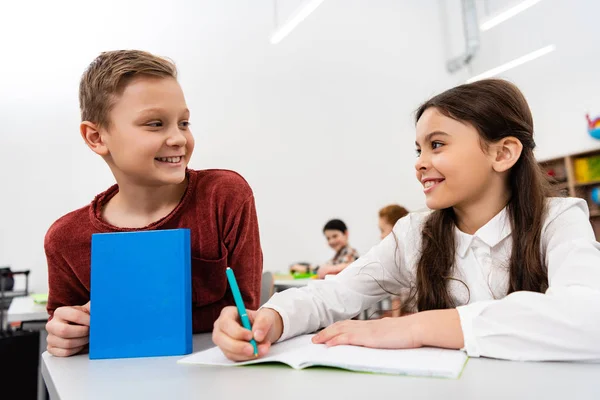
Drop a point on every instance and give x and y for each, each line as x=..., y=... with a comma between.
x=176, y=138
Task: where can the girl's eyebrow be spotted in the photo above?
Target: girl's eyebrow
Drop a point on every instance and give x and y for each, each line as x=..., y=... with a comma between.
x=429, y=135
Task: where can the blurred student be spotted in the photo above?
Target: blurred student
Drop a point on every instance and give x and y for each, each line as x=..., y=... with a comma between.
x=336, y=233
x=388, y=216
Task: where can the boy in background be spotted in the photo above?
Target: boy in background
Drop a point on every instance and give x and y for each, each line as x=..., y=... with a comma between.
x=336, y=233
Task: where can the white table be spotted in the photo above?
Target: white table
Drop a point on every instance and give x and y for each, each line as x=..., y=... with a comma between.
x=77, y=378
x=283, y=283
x=25, y=309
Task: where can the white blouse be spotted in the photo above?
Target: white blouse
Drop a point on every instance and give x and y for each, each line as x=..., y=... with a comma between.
x=561, y=324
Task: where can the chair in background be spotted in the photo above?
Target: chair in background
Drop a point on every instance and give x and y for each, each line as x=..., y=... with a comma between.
x=267, y=287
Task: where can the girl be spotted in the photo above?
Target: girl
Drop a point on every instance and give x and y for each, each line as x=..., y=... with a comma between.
x=497, y=269
x=388, y=216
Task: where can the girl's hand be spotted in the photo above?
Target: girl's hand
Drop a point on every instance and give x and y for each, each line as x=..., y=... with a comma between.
x=386, y=333
x=435, y=328
x=234, y=340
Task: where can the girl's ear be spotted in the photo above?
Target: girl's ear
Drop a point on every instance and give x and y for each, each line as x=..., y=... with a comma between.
x=90, y=133
x=506, y=153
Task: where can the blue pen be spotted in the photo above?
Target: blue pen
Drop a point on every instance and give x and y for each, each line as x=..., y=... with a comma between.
x=237, y=296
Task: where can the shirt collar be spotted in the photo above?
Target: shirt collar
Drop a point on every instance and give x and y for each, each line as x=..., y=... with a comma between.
x=492, y=233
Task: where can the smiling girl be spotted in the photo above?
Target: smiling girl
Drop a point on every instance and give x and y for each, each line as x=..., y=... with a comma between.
x=496, y=268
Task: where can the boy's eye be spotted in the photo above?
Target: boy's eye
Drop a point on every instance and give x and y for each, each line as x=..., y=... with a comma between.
x=418, y=152
x=184, y=124
x=154, y=124
x=436, y=145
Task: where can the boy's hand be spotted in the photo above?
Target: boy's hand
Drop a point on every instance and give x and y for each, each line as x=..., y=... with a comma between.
x=326, y=269
x=234, y=340
x=69, y=330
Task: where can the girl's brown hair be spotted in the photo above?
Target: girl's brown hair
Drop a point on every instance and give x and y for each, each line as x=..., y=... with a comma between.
x=497, y=109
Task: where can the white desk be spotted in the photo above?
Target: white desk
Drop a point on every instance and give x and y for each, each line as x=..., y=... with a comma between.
x=25, y=309
x=77, y=378
x=283, y=283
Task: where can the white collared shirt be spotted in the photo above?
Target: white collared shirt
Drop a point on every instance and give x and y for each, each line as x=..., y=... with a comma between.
x=561, y=324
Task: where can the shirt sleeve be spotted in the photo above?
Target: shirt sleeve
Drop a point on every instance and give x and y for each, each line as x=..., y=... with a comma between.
x=350, y=256
x=561, y=324
x=360, y=285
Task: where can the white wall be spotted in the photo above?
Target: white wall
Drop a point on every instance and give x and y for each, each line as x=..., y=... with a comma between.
x=561, y=86
x=320, y=124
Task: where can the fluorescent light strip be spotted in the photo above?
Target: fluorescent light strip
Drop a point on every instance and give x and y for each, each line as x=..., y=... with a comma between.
x=298, y=17
x=508, y=14
x=514, y=63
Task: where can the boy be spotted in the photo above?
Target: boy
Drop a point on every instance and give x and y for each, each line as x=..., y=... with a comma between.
x=336, y=233
x=134, y=116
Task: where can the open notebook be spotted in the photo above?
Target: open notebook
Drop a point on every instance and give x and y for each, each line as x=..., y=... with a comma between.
x=300, y=353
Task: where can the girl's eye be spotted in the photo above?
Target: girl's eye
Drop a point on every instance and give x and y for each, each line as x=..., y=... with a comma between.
x=418, y=152
x=436, y=145
x=155, y=124
x=184, y=124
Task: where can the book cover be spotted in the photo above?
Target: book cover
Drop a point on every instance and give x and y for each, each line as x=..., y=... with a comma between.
x=141, y=294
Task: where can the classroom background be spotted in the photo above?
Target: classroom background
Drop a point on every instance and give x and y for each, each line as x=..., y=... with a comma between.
x=320, y=123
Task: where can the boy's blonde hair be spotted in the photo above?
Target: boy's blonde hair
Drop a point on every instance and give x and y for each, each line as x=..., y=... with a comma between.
x=107, y=76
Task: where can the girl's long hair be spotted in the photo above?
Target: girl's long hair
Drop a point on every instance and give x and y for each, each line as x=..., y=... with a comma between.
x=497, y=109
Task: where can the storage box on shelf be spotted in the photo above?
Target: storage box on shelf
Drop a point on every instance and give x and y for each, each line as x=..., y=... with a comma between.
x=577, y=175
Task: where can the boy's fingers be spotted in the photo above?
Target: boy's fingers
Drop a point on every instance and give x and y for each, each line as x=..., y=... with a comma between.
x=72, y=315
x=84, y=308
x=59, y=352
x=64, y=330
x=63, y=343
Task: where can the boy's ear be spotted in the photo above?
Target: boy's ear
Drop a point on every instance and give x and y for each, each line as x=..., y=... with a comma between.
x=90, y=133
x=506, y=153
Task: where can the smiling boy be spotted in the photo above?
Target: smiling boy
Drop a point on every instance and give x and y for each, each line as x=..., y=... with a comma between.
x=134, y=115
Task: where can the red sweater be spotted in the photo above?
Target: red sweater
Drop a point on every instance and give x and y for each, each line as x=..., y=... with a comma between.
x=217, y=207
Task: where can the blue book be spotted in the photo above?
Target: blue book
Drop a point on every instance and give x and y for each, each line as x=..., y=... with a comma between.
x=141, y=294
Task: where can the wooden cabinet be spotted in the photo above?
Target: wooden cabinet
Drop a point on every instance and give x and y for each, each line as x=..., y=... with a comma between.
x=561, y=172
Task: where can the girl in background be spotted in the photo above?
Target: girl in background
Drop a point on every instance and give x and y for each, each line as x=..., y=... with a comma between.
x=388, y=216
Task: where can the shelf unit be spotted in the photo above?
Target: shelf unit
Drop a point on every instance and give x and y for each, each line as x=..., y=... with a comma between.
x=561, y=173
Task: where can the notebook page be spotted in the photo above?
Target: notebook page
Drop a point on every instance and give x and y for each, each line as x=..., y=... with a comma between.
x=291, y=352
x=416, y=362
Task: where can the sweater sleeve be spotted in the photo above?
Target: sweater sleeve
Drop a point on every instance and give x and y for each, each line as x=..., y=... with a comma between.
x=64, y=287
x=242, y=240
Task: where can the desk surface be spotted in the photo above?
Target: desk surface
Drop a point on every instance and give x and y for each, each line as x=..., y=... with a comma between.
x=25, y=309
x=78, y=378
x=292, y=282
